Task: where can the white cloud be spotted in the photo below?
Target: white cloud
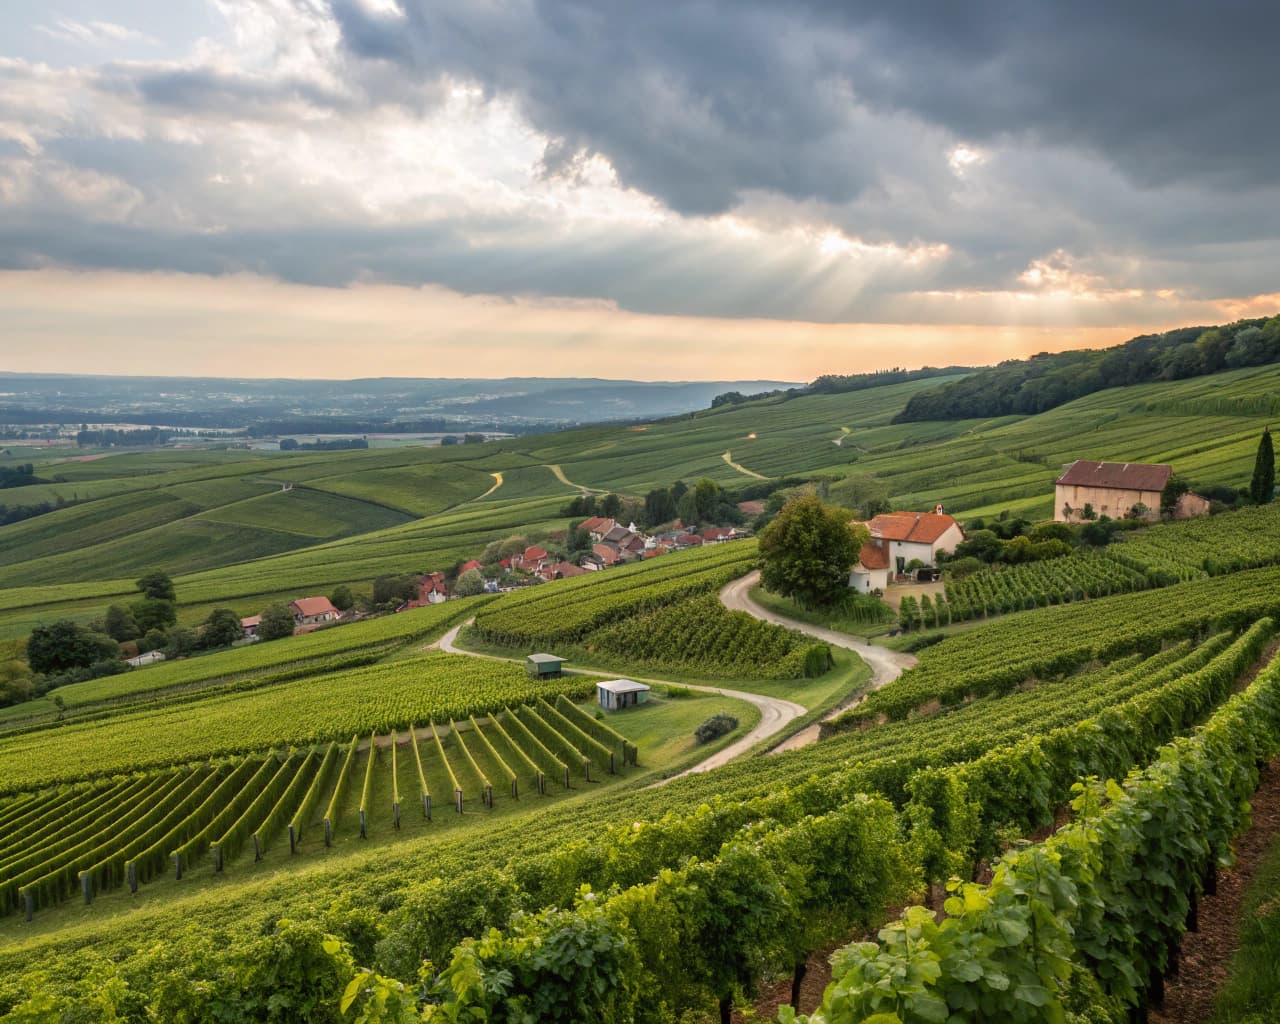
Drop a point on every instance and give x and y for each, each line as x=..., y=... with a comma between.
x=99, y=34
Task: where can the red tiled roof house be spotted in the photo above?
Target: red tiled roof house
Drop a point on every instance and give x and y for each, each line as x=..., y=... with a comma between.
x=1109, y=489
x=915, y=536
x=871, y=573
x=313, y=611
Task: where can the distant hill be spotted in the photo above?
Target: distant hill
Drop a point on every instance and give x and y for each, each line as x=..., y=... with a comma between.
x=369, y=405
x=1024, y=387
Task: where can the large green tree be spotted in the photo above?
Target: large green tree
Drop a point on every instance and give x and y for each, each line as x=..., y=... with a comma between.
x=221, y=629
x=277, y=622
x=153, y=613
x=158, y=586
x=469, y=584
x=63, y=645
x=119, y=625
x=808, y=550
x=1263, y=484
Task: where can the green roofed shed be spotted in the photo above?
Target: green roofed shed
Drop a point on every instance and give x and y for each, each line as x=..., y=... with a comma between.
x=544, y=666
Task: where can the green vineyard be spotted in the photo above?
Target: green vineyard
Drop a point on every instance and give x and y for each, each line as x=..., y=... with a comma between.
x=375, y=698
x=699, y=634
x=1036, y=585
x=571, y=610
x=84, y=840
x=1157, y=557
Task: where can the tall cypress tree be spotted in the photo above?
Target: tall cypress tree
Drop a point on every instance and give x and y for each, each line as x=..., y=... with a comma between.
x=1263, y=484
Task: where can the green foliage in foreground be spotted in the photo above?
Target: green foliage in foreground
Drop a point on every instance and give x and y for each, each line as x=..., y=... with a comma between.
x=1108, y=895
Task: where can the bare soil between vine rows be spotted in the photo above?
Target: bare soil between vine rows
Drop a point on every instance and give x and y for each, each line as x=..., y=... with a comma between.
x=1206, y=953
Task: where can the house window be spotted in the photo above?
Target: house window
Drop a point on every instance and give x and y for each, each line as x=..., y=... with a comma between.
x=902, y=564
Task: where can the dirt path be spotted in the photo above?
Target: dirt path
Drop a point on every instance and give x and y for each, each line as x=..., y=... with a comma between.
x=886, y=665
x=775, y=714
x=497, y=478
x=1206, y=953
x=558, y=473
x=728, y=458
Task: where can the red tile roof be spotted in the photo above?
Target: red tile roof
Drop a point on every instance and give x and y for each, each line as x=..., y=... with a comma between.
x=252, y=620
x=914, y=527
x=468, y=566
x=1128, y=476
x=596, y=524
x=874, y=555
x=566, y=569
x=605, y=553
x=715, y=533
x=314, y=606
x=532, y=553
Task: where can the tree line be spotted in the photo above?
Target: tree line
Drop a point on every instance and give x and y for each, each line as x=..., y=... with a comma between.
x=1024, y=387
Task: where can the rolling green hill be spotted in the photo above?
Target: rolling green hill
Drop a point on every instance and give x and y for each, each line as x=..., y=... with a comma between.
x=219, y=521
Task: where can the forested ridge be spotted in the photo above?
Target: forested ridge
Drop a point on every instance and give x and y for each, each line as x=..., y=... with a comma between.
x=1028, y=386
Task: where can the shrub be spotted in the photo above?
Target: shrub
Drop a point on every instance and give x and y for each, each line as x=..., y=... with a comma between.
x=719, y=724
x=959, y=568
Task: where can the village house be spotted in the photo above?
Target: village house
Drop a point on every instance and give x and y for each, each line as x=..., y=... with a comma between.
x=871, y=572
x=250, y=626
x=915, y=536
x=531, y=560
x=1190, y=505
x=597, y=527
x=1109, y=489
x=469, y=565
x=314, y=611
x=432, y=589
x=603, y=556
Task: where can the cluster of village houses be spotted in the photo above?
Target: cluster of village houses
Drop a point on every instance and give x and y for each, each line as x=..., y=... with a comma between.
x=611, y=544
x=898, y=539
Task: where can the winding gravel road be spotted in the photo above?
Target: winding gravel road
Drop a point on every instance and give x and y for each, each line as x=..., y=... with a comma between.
x=775, y=714
x=886, y=665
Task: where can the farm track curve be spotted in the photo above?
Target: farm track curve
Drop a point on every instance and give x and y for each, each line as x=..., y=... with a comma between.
x=886, y=665
x=775, y=713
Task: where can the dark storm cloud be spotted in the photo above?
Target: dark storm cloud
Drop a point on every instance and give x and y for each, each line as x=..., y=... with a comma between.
x=1129, y=146
x=697, y=103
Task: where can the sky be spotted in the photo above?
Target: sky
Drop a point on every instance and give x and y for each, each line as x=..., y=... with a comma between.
x=719, y=189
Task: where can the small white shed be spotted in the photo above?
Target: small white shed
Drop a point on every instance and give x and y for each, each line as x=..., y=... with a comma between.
x=615, y=694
